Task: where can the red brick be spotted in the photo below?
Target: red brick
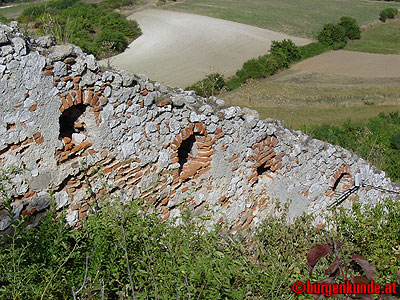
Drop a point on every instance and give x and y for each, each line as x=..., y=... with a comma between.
x=205, y=153
x=40, y=140
x=48, y=73
x=204, y=171
x=64, y=103
x=69, y=100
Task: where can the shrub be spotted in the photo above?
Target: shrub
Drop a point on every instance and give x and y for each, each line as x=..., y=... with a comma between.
x=259, y=67
x=313, y=49
x=234, y=83
x=373, y=231
x=208, y=86
x=375, y=141
x=286, y=50
x=116, y=38
x=353, y=31
x=395, y=141
x=333, y=35
x=388, y=13
x=88, y=26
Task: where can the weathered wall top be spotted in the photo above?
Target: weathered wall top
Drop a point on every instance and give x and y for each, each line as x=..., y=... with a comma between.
x=84, y=132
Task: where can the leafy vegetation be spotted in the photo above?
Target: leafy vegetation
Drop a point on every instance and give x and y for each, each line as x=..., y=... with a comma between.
x=209, y=86
x=93, y=27
x=337, y=35
x=352, y=30
x=388, y=13
x=333, y=35
x=128, y=252
x=377, y=141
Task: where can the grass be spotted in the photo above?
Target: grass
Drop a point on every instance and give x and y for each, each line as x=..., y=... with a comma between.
x=15, y=11
x=303, y=18
x=384, y=38
x=313, y=99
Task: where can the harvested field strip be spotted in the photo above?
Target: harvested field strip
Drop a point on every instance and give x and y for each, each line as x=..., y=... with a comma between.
x=178, y=49
x=352, y=63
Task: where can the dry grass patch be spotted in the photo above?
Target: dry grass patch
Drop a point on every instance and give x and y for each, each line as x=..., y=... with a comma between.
x=300, y=98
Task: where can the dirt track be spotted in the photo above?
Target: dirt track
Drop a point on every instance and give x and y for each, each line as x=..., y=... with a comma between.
x=178, y=48
x=351, y=63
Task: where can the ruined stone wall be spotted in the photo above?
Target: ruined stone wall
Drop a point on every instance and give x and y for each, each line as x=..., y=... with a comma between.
x=82, y=133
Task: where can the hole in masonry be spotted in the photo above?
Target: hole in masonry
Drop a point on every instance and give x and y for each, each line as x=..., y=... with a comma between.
x=343, y=183
x=263, y=170
x=186, y=151
x=69, y=121
x=11, y=126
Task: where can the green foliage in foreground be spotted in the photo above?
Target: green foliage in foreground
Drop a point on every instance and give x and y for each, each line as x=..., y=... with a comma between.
x=378, y=141
x=95, y=28
x=121, y=247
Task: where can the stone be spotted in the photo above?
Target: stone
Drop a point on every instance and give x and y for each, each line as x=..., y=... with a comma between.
x=78, y=138
x=178, y=101
x=40, y=182
x=60, y=52
x=45, y=41
x=72, y=218
x=19, y=45
x=60, y=69
x=194, y=117
x=3, y=37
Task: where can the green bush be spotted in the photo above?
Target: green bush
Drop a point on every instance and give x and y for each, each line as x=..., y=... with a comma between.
x=286, y=50
x=127, y=251
x=388, y=13
x=88, y=26
x=376, y=141
x=259, y=67
x=395, y=140
x=234, y=83
x=373, y=231
x=209, y=86
x=313, y=49
x=333, y=35
x=353, y=31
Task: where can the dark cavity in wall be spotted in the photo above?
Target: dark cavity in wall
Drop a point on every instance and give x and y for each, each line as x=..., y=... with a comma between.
x=262, y=170
x=68, y=121
x=342, y=183
x=186, y=150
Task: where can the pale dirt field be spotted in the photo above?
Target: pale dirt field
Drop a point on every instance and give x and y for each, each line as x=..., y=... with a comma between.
x=178, y=49
x=351, y=63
